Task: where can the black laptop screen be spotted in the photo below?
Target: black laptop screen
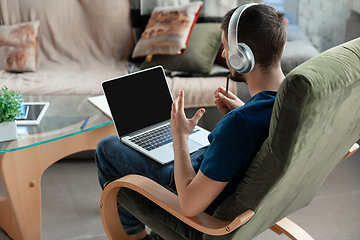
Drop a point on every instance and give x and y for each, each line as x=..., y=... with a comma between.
x=138, y=100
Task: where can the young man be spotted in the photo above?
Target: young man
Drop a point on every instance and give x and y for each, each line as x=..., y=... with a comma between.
x=207, y=177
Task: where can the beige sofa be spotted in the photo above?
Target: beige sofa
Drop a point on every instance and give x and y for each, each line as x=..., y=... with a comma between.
x=82, y=43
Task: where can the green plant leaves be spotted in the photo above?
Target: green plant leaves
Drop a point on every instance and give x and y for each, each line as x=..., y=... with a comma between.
x=9, y=105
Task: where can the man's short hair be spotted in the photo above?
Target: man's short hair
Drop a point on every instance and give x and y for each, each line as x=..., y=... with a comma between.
x=262, y=28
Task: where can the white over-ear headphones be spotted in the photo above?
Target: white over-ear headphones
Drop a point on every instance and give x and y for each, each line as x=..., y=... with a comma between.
x=240, y=57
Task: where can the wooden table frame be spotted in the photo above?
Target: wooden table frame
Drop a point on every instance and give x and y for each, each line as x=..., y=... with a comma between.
x=21, y=172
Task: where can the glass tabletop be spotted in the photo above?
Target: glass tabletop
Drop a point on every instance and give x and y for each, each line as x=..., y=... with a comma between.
x=64, y=117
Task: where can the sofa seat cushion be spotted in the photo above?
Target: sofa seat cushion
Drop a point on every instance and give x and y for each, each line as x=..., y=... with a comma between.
x=199, y=91
x=52, y=78
x=298, y=49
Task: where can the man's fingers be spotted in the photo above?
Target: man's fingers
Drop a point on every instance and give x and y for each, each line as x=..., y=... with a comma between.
x=198, y=115
x=221, y=90
x=181, y=100
x=223, y=98
x=230, y=95
x=174, y=106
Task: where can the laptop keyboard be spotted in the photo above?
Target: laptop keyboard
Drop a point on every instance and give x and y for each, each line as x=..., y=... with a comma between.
x=154, y=138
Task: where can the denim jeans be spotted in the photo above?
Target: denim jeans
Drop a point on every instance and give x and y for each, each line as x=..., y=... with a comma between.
x=115, y=160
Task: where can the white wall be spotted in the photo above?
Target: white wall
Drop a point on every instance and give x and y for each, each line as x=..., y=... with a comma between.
x=324, y=21
x=291, y=6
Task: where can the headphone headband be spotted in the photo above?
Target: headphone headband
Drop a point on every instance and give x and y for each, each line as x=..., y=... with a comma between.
x=241, y=58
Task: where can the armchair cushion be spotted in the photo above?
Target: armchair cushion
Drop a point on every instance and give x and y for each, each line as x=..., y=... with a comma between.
x=312, y=128
x=315, y=122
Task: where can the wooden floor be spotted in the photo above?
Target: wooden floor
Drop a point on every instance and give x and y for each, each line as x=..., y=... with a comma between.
x=71, y=193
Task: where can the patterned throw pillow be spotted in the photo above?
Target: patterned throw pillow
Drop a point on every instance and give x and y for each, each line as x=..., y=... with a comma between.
x=18, y=45
x=168, y=30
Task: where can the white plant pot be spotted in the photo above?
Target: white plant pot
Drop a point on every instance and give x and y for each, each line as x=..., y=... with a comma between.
x=8, y=131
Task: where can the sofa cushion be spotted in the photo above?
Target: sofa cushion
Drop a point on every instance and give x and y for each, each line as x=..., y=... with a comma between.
x=168, y=30
x=200, y=54
x=297, y=50
x=18, y=44
x=212, y=11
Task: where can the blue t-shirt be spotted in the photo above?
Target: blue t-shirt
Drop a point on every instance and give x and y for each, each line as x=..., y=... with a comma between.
x=235, y=141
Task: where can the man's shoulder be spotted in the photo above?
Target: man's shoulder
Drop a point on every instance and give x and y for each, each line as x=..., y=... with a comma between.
x=263, y=100
x=261, y=97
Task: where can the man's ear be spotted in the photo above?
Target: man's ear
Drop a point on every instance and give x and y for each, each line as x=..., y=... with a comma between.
x=286, y=22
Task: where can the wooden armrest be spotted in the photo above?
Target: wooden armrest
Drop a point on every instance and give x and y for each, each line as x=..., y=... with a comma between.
x=290, y=229
x=352, y=150
x=165, y=199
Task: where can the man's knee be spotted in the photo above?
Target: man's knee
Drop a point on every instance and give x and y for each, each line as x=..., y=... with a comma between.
x=107, y=141
x=104, y=146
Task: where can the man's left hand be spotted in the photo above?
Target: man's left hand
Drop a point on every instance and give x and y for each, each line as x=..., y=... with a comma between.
x=181, y=127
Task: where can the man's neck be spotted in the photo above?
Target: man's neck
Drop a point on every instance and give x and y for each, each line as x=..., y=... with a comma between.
x=259, y=81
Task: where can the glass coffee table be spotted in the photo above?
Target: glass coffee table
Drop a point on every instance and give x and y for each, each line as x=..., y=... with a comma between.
x=24, y=160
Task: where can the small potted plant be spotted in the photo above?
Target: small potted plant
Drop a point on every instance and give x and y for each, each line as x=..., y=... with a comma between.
x=9, y=109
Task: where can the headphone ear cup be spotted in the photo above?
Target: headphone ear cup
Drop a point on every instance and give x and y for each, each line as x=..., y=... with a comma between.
x=243, y=61
x=236, y=61
x=249, y=59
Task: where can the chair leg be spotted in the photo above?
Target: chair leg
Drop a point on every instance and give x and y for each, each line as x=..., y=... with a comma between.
x=290, y=229
x=109, y=215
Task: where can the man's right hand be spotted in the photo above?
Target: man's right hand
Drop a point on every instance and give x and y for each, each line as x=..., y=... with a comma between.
x=226, y=104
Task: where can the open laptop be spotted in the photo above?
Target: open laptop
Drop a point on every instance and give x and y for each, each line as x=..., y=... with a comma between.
x=140, y=105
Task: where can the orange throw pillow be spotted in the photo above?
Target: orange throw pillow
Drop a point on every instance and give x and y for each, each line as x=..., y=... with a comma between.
x=18, y=45
x=168, y=30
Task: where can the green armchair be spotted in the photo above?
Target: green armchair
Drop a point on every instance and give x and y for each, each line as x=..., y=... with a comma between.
x=315, y=121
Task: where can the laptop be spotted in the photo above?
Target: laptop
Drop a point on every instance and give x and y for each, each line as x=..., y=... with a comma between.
x=140, y=105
